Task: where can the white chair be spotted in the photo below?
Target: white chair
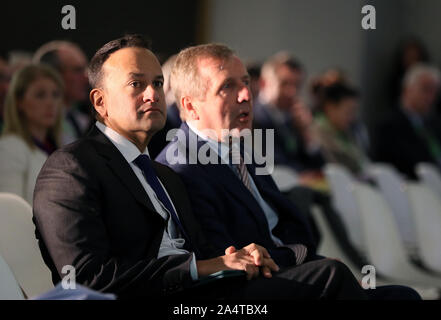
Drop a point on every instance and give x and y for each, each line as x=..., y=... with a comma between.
x=394, y=189
x=19, y=247
x=9, y=288
x=329, y=246
x=284, y=177
x=426, y=207
x=384, y=246
x=430, y=176
x=343, y=199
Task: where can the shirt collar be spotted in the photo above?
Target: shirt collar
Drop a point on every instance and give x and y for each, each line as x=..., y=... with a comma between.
x=221, y=149
x=129, y=151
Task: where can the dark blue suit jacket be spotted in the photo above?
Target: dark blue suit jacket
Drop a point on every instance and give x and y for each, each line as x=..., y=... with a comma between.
x=228, y=212
x=284, y=154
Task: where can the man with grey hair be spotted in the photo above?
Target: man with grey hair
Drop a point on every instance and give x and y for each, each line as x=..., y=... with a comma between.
x=233, y=204
x=71, y=62
x=412, y=133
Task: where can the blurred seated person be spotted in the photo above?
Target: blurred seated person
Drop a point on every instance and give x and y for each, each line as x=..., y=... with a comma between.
x=31, y=129
x=334, y=124
x=279, y=108
x=331, y=77
x=159, y=140
x=411, y=134
x=71, y=62
x=254, y=69
x=410, y=51
x=5, y=77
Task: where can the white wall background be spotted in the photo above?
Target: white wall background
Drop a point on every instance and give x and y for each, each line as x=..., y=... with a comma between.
x=320, y=33
x=328, y=33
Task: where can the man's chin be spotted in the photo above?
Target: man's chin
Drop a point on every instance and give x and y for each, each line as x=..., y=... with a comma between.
x=154, y=126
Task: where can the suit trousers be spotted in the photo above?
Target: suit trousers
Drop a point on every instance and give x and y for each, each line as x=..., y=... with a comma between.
x=318, y=279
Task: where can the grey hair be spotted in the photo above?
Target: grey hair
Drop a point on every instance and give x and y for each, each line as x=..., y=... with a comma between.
x=417, y=71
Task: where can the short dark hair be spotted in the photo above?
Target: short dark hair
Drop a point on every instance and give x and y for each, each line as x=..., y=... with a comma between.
x=335, y=93
x=128, y=41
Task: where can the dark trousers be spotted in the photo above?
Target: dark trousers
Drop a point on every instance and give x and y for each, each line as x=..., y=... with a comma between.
x=319, y=279
x=324, y=279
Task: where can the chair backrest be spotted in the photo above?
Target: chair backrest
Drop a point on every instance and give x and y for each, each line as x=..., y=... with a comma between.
x=19, y=247
x=384, y=246
x=341, y=185
x=426, y=207
x=329, y=246
x=9, y=288
x=430, y=176
x=394, y=189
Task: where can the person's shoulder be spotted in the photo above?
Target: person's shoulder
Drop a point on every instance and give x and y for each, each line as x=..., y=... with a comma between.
x=12, y=139
x=12, y=143
x=81, y=152
x=78, y=147
x=175, y=152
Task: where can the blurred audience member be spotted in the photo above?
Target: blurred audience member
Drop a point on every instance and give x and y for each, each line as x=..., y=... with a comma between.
x=409, y=52
x=174, y=117
x=254, y=69
x=17, y=60
x=31, y=129
x=71, y=62
x=326, y=79
x=411, y=134
x=278, y=108
x=5, y=77
x=334, y=126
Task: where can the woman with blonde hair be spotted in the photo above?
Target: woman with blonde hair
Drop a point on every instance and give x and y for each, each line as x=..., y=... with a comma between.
x=32, y=127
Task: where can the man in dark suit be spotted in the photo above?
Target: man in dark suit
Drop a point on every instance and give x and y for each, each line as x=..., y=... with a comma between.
x=412, y=133
x=124, y=222
x=234, y=201
x=279, y=108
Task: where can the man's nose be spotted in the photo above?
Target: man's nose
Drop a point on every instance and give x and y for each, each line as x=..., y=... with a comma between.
x=244, y=94
x=150, y=94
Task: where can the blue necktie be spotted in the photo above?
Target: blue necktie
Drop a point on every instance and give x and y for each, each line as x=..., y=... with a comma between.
x=144, y=163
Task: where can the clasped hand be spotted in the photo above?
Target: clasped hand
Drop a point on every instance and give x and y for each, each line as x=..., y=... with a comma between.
x=253, y=259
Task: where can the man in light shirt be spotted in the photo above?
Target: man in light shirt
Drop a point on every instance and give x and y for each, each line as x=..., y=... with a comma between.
x=234, y=204
x=102, y=206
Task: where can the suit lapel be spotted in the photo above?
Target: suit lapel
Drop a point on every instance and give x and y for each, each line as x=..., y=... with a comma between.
x=121, y=168
x=222, y=174
x=182, y=207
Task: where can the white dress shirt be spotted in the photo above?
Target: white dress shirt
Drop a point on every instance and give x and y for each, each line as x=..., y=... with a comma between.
x=171, y=242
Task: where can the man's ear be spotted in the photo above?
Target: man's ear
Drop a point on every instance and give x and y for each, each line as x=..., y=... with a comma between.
x=97, y=98
x=190, y=109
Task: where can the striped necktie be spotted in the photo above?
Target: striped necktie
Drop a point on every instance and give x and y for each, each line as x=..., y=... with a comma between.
x=239, y=165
